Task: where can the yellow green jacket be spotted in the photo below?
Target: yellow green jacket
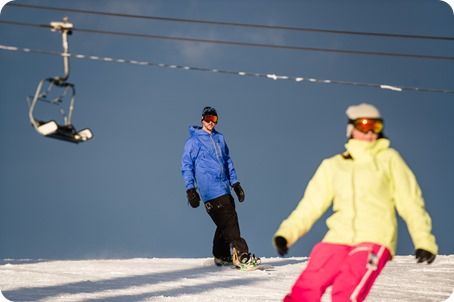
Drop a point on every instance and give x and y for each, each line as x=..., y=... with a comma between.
x=365, y=186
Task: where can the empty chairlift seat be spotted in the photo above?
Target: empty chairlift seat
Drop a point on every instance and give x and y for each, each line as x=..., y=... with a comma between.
x=65, y=133
x=65, y=104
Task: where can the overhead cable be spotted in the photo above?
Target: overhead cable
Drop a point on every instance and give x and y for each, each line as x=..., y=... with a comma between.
x=238, y=73
x=273, y=27
x=247, y=44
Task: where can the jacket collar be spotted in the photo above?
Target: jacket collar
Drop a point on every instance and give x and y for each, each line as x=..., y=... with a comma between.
x=197, y=130
x=359, y=149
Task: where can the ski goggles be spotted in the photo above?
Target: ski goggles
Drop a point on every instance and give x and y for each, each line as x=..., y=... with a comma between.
x=368, y=124
x=210, y=118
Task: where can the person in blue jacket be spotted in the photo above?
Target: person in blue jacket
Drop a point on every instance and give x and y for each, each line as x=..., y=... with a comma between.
x=206, y=167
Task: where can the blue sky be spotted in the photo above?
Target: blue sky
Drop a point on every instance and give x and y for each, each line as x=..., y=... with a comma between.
x=122, y=194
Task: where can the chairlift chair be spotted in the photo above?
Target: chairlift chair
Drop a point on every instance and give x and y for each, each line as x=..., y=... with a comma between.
x=50, y=128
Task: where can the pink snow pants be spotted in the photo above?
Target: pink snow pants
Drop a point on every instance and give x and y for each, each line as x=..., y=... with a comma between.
x=350, y=270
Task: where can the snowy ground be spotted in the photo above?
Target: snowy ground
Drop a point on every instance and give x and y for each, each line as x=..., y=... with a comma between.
x=194, y=280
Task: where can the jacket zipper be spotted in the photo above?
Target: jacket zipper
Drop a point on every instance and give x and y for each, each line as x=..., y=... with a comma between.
x=217, y=157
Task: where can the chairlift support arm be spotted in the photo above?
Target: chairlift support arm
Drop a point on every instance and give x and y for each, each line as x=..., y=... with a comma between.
x=66, y=29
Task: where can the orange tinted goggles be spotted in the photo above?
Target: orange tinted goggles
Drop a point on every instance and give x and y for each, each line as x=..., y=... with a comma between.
x=368, y=124
x=210, y=118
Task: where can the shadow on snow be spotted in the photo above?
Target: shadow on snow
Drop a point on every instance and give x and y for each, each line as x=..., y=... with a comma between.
x=87, y=287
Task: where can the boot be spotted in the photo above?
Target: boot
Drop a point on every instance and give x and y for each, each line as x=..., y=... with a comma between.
x=239, y=259
x=225, y=261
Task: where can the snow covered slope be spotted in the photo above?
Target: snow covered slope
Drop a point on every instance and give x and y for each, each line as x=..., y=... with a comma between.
x=194, y=280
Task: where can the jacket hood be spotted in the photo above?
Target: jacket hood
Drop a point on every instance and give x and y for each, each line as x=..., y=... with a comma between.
x=197, y=130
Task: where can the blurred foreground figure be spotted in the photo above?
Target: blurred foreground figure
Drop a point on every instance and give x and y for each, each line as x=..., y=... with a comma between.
x=366, y=185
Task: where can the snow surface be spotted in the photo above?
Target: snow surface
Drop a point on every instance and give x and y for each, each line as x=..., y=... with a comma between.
x=198, y=279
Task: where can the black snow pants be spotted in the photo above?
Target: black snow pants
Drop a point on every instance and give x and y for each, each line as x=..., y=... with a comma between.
x=222, y=212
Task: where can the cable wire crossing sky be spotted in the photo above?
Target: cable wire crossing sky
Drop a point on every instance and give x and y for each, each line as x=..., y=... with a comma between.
x=240, y=73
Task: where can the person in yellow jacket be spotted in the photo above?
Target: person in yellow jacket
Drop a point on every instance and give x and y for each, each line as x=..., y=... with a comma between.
x=365, y=185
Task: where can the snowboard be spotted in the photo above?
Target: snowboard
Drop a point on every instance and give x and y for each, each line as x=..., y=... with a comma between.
x=245, y=268
x=251, y=268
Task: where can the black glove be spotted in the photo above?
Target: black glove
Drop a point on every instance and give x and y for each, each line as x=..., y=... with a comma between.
x=239, y=191
x=281, y=245
x=193, y=197
x=423, y=255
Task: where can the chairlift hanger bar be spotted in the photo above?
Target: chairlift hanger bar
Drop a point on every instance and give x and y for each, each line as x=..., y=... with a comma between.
x=66, y=29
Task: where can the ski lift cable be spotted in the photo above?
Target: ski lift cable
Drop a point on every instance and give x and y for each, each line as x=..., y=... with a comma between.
x=271, y=27
x=238, y=73
x=244, y=44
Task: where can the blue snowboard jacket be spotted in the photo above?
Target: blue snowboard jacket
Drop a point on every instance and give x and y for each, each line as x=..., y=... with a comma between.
x=206, y=164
